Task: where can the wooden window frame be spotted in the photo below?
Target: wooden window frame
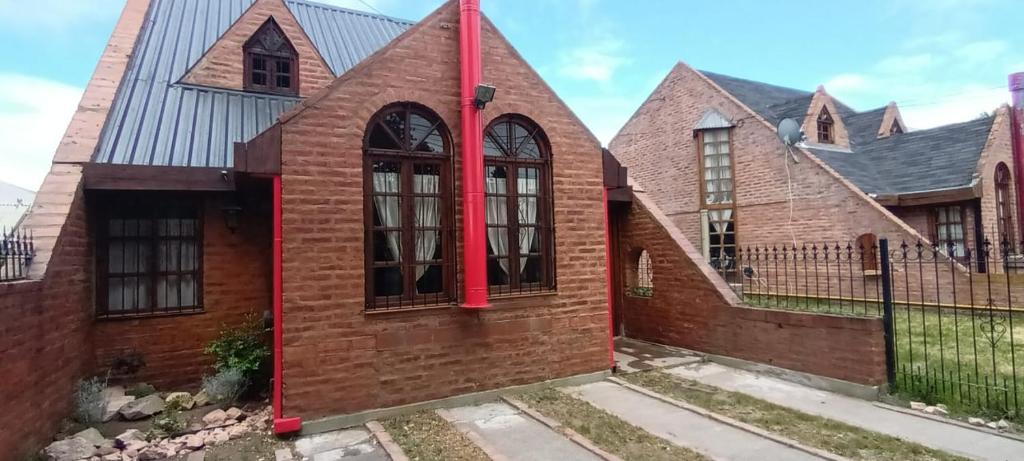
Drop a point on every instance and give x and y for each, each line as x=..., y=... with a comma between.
x=867, y=246
x=545, y=206
x=703, y=181
x=1003, y=179
x=826, y=127
x=934, y=222
x=255, y=47
x=408, y=158
x=146, y=206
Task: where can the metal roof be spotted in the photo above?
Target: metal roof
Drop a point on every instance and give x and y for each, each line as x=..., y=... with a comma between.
x=713, y=119
x=156, y=121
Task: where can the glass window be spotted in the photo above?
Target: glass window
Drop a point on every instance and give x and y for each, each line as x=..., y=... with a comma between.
x=1004, y=209
x=270, y=61
x=717, y=168
x=949, y=230
x=826, y=127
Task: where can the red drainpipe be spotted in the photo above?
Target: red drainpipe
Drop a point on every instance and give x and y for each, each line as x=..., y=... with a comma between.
x=282, y=425
x=608, y=279
x=1016, y=83
x=474, y=238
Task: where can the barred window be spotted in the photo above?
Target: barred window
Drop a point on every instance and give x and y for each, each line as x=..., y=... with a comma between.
x=949, y=230
x=717, y=166
x=825, y=127
x=408, y=209
x=520, y=236
x=643, y=279
x=1004, y=209
x=271, y=61
x=149, y=256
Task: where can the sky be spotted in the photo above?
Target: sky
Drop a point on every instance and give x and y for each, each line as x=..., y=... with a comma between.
x=942, y=61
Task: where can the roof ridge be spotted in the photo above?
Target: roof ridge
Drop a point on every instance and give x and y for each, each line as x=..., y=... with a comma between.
x=352, y=11
x=707, y=72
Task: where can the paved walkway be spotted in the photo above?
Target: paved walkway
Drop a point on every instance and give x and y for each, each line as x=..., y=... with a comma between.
x=518, y=437
x=355, y=444
x=684, y=428
x=862, y=413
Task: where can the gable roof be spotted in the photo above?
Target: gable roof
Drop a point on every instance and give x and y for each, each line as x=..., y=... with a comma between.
x=157, y=121
x=14, y=202
x=939, y=158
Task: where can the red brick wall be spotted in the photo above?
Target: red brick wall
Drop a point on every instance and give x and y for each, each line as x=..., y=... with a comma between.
x=338, y=359
x=45, y=341
x=693, y=308
x=236, y=281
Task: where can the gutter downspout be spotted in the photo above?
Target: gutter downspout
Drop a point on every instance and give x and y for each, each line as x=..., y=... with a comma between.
x=474, y=237
x=282, y=425
x=1016, y=84
x=609, y=292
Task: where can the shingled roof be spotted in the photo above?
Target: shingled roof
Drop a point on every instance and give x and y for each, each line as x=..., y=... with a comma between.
x=157, y=121
x=935, y=159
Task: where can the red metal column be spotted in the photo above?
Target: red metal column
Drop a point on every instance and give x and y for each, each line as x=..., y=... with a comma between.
x=609, y=292
x=474, y=235
x=282, y=425
x=1016, y=83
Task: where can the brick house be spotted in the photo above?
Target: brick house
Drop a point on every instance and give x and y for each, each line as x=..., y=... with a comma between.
x=857, y=175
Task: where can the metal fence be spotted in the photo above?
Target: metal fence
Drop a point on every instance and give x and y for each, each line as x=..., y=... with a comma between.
x=16, y=252
x=954, y=317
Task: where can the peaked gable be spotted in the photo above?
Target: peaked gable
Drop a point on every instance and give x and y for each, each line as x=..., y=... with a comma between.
x=822, y=100
x=889, y=118
x=222, y=66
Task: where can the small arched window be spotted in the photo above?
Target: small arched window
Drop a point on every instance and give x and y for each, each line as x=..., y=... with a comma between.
x=825, y=127
x=407, y=208
x=643, y=280
x=867, y=247
x=1004, y=207
x=517, y=185
x=270, y=61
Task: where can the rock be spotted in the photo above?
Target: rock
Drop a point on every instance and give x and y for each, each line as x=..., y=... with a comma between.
x=233, y=413
x=942, y=407
x=976, y=421
x=129, y=436
x=113, y=405
x=142, y=408
x=283, y=454
x=184, y=399
x=104, y=451
x=197, y=456
x=73, y=449
x=112, y=391
x=153, y=454
x=930, y=410
x=992, y=425
x=140, y=390
x=918, y=406
x=194, y=442
x=941, y=411
x=111, y=457
x=1003, y=424
x=237, y=431
x=220, y=436
x=201, y=399
x=215, y=418
x=92, y=436
x=230, y=422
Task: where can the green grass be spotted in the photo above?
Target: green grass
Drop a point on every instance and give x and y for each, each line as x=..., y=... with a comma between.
x=814, y=431
x=606, y=431
x=966, y=359
x=425, y=436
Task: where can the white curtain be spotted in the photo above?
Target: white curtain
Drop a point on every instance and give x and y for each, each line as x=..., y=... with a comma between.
x=497, y=215
x=426, y=216
x=527, y=215
x=719, y=219
x=388, y=209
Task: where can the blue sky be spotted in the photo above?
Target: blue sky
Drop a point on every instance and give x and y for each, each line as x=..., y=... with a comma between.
x=941, y=60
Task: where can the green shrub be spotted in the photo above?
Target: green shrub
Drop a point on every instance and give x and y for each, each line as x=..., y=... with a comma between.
x=167, y=423
x=225, y=386
x=89, y=401
x=241, y=348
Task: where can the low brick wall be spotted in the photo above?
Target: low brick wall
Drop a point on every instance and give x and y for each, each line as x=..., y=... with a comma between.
x=691, y=307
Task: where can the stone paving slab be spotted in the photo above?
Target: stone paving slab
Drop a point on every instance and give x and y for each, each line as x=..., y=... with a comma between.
x=518, y=437
x=684, y=428
x=355, y=444
x=862, y=413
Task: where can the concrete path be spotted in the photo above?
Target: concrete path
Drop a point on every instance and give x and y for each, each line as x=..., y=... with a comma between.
x=684, y=428
x=862, y=413
x=355, y=444
x=517, y=437
x=633, y=356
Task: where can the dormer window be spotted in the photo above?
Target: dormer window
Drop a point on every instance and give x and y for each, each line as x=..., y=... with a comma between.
x=825, y=127
x=270, y=61
x=895, y=128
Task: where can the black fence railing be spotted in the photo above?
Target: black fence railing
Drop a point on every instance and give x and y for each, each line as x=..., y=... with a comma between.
x=16, y=252
x=954, y=316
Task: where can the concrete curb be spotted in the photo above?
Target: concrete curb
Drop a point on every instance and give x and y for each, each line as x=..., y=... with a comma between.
x=556, y=426
x=393, y=450
x=470, y=434
x=950, y=421
x=731, y=422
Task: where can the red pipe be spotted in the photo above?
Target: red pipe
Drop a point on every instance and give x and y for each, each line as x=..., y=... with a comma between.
x=608, y=279
x=474, y=237
x=282, y=425
x=1016, y=84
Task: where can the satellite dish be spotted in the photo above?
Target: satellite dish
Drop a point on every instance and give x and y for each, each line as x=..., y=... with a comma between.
x=789, y=132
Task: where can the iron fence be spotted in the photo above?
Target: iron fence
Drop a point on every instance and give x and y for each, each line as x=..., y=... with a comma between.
x=16, y=252
x=954, y=317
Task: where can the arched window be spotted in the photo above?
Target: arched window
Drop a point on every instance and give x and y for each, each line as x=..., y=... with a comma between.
x=1004, y=207
x=270, y=61
x=825, y=127
x=407, y=208
x=643, y=282
x=517, y=178
x=867, y=246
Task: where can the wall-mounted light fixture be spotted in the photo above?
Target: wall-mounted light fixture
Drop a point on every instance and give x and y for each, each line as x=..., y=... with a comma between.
x=232, y=214
x=483, y=94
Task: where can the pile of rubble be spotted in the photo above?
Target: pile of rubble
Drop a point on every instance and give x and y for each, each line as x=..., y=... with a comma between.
x=217, y=426
x=941, y=410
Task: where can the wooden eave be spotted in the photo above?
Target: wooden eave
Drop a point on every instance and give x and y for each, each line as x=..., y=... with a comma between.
x=616, y=180
x=261, y=156
x=105, y=176
x=955, y=194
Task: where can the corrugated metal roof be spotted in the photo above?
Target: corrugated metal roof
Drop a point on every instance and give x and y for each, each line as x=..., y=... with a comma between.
x=713, y=119
x=155, y=121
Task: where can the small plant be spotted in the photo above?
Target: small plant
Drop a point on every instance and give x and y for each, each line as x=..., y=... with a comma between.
x=89, y=401
x=167, y=423
x=241, y=348
x=225, y=386
x=127, y=363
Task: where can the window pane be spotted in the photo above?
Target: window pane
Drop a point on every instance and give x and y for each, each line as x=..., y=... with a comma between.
x=498, y=135
x=284, y=81
x=491, y=147
x=380, y=139
x=284, y=67
x=259, y=78
x=531, y=270
x=387, y=281
x=497, y=241
x=259, y=63
x=430, y=279
x=523, y=143
x=387, y=246
x=423, y=137
x=167, y=292
x=497, y=271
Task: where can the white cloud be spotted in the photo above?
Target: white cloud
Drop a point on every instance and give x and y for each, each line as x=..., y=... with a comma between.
x=900, y=64
x=967, y=103
x=55, y=15
x=34, y=113
x=981, y=51
x=596, y=61
x=846, y=82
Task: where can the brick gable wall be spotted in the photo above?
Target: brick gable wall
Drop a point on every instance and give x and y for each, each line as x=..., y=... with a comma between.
x=338, y=359
x=222, y=65
x=997, y=149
